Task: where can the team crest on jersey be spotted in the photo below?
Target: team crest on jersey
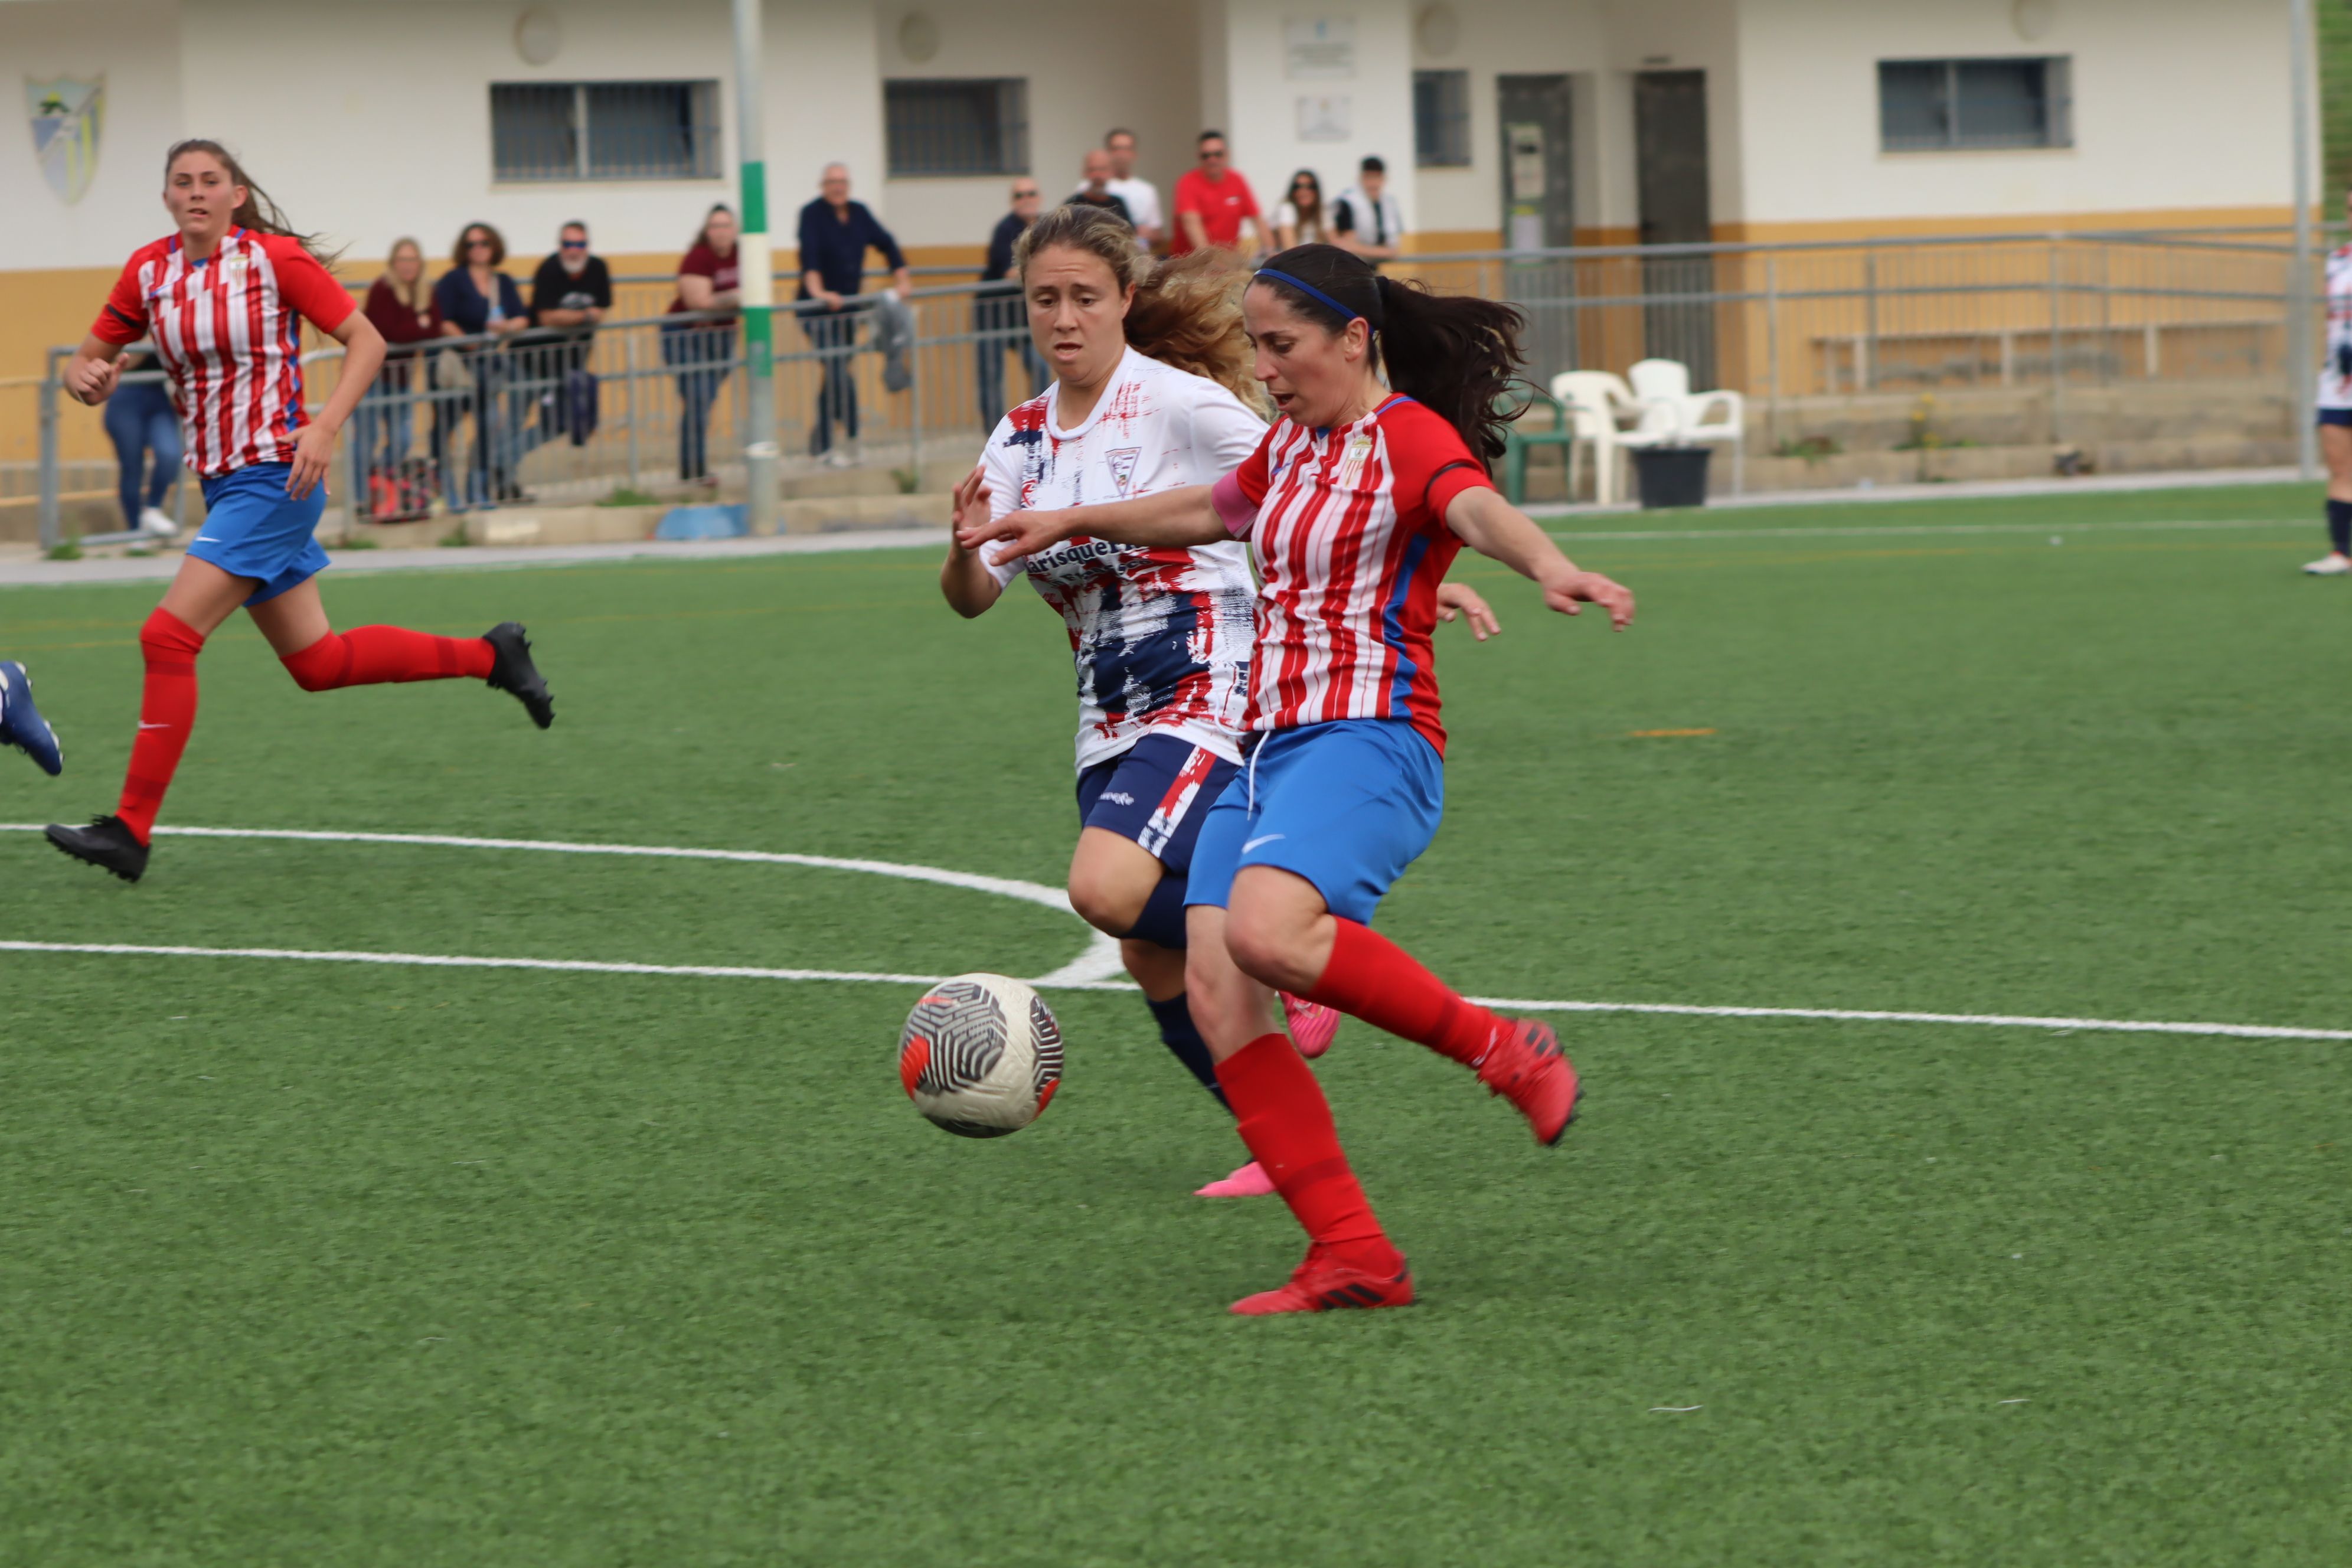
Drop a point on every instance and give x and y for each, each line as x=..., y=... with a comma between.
x=1122, y=465
x=1352, y=461
x=67, y=118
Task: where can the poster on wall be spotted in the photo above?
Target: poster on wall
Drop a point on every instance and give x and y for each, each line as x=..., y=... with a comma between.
x=1324, y=118
x=68, y=116
x=1323, y=49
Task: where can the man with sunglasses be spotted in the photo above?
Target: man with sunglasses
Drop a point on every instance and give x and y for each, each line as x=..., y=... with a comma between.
x=1214, y=203
x=569, y=295
x=998, y=315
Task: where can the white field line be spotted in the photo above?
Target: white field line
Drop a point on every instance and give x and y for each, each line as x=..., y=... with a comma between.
x=1913, y=530
x=1084, y=975
x=1098, y=961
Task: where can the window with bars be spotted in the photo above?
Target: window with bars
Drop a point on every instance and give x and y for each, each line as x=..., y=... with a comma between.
x=1927, y=106
x=605, y=131
x=970, y=127
x=1441, y=119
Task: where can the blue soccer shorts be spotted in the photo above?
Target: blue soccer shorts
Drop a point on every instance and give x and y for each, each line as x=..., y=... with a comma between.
x=1347, y=805
x=1156, y=793
x=254, y=528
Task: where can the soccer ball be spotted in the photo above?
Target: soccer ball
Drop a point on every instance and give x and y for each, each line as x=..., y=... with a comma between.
x=981, y=1054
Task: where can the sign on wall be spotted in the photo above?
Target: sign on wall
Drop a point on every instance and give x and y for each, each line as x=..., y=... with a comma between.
x=67, y=118
x=1325, y=118
x=1323, y=49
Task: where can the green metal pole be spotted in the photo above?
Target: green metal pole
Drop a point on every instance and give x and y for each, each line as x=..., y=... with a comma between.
x=758, y=274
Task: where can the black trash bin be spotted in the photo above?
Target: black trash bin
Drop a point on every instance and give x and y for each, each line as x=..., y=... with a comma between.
x=1671, y=475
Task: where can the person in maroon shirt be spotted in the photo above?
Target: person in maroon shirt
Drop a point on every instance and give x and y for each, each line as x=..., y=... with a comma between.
x=401, y=307
x=1212, y=203
x=702, y=348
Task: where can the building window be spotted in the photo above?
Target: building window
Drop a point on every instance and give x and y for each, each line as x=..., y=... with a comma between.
x=1934, y=105
x=605, y=131
x=979, y=127
x=1441, y=119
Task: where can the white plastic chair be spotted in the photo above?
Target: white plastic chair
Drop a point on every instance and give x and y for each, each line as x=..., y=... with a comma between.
x=1596, y=401
x=1679, y=416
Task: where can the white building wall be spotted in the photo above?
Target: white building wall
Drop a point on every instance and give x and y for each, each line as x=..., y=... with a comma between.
x=1261, y=108
x=1088, y=67
x=2178, y=104
x=135, y=45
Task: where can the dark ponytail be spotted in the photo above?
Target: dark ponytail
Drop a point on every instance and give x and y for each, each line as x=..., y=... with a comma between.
x=257, y=212
x=1456, y=354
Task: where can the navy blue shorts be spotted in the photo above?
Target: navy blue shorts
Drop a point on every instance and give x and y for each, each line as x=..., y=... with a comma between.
x=1156, y=793
x=2336, y=416
x=1347, y=805
x=254, y=528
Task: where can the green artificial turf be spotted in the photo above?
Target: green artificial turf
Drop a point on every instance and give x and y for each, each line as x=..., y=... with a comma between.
x=313, y=1263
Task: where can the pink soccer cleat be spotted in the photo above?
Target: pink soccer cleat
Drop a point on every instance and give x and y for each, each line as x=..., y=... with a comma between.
x=1312, y=1024
x=1322, y=1284
x=1250, y=1182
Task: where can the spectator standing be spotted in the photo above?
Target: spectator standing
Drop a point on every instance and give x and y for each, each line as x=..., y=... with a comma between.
x=1094, y=187
x=475, y=299
x=139, y=419
x=836, y=233
x=998, y=313
x=1301, y=220
x=1141, y=196
x=569, y=295
x=1366, y=219
x=1214, y=203
x=700, y=350
x=401, y=307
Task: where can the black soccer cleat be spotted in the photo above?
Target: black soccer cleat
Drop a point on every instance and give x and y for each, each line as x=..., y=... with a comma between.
x=513, y=671
x=106, y=843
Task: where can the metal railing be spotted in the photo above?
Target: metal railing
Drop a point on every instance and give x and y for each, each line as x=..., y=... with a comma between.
x=653, y=404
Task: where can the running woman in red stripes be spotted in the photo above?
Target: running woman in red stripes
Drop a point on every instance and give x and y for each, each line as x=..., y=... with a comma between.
x=1151, y=393
x=1355, y=503
x=224, y=298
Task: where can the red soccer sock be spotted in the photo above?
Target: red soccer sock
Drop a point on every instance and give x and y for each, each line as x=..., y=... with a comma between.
x=1286, y=1123
x=1371, y=978
x=167, y=712
x=374, y=656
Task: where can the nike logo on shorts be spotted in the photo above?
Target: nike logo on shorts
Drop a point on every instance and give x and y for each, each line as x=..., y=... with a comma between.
x=206, y=539
x=147, y=726
x=1267, y=839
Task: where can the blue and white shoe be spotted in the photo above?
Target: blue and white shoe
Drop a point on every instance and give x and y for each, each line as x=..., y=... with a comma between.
x=21, y=724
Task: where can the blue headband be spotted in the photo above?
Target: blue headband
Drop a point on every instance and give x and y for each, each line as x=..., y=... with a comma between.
x=1312, y=292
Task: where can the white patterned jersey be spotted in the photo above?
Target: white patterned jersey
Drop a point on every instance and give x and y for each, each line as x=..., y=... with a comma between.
x=1160, y=637
x=2335, y=374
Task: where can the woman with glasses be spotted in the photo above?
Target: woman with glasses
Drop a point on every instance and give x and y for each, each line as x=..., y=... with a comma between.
x=224, y=298
x=1300, y=220
x=475, y=299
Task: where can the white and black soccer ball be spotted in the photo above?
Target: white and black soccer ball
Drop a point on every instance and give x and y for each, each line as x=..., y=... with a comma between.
x=981, y=1054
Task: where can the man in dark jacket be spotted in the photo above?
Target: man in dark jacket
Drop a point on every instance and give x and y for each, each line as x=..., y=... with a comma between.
x=998, y=315
x=569, y=295
x=834, y=235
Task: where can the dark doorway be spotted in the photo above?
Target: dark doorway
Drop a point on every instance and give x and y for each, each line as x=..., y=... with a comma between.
x=1538, y=213
x=1670, y=147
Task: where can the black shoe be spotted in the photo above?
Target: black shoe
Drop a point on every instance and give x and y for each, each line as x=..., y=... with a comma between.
x=514, y=671
x=106, y=842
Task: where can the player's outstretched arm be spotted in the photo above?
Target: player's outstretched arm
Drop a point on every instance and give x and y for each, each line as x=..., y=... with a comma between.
x=1493, y=527
x=314, y=448
x=1172, y=518
x=92, y=373
x=964, y=579
x=1461, y=599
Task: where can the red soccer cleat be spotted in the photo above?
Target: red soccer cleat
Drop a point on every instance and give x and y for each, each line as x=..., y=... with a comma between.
x=1312, y=1024
x=1323, y=1285
x=1249, y=1182
x=1526, y=1066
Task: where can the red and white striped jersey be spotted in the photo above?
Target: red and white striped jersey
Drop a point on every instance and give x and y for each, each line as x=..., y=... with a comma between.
x=227, y=330
x=1349, y=530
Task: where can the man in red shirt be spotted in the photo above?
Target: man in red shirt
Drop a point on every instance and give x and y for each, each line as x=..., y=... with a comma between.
x=1212, y=203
